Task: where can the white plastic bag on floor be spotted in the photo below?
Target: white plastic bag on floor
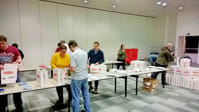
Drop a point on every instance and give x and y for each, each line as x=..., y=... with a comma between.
x=42, y=77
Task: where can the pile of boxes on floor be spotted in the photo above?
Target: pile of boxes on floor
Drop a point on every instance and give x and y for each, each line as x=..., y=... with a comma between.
x=184, y=75
x=59, y=75
x=149, y=84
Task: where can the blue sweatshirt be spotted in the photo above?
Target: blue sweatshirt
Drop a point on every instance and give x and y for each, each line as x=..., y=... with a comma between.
x=95, y=57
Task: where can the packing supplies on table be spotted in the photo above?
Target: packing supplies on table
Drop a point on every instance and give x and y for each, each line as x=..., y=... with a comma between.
x=59, y=75
x=137, y=64
x=185, y=63
x=42, y=77
x=27, y=87
x=9, y=74
x=96, y=69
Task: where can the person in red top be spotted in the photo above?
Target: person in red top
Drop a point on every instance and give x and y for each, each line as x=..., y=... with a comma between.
x=9, y=54
x=62, y=42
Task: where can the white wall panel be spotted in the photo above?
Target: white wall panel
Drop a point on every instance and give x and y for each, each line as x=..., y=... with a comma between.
x=93, y=27
x=49, y=33
x=9, y=21
x=30, y=32
x=65, y=22
x=38, y=26
x=80, y=27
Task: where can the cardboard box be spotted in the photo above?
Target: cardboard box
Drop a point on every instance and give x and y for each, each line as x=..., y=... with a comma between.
x=149, y=89
x=150, y=84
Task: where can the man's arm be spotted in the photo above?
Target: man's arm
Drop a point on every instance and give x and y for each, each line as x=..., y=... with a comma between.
x=102, y=58
x=72, y=63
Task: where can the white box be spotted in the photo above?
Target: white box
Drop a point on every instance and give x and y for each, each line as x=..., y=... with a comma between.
x=42, y=77
x=59, y=75
x=96, y=69
x=9, y=74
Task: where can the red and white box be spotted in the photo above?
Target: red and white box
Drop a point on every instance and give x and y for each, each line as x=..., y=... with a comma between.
x=185, y=63
x=59, y=75
x=42, y=77
x=9, y=74
x=97, y=69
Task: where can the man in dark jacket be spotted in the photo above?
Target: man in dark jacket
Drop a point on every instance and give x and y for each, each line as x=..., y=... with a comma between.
x=164, y=57
x=95, y=56
x=20, y=51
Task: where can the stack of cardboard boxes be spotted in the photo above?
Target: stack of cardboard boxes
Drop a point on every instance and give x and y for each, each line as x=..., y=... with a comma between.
x=150, y=84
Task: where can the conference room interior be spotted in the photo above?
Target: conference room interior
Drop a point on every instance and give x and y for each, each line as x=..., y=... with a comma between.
x=144, y=27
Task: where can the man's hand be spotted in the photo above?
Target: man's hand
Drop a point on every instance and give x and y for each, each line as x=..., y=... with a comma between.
x=88, y=66
x=96, y=63
x=1, y=67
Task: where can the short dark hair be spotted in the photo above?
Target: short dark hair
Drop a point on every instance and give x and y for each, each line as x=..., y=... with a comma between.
x=62, y=41
x=96, y=43
x=59, y=44
x=72, y=43
x=3, y=38
x=121, y=46
x=15, y=45
x=63, y=47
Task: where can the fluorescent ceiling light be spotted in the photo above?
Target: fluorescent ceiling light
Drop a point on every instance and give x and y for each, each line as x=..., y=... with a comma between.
x=158, y=3
x=180, y=7
x=114, y=6
x=85, y=1
x=164, y=4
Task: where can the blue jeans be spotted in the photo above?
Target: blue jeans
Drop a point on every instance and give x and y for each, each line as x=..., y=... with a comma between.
x=76, y=87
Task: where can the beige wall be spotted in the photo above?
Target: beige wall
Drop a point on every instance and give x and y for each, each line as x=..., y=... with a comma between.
x=38, y=26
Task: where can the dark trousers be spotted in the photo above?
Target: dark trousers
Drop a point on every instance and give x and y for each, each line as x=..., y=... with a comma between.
x=96, y=85
x=155, y=74
x=60, y=93
x=17, y=101
x=16, y=98
x=121, y=64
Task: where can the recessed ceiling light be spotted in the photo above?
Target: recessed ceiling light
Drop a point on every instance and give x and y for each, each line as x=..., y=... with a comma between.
x=158, y=3
x=164, y=4
x=114, y=6
x=85, y=1
x=180, y=7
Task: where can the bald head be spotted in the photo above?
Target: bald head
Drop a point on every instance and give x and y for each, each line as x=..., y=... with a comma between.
x=169, y=46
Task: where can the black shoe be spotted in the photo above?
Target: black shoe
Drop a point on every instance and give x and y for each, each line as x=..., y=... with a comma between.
x=165, y=84
x=95, y=91
x=59, y=105
x=18, y=109
x=90, y=89
x=83, y=111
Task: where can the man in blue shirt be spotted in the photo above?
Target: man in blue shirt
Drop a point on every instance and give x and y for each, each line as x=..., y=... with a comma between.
x=95, y=56
x=152, y=59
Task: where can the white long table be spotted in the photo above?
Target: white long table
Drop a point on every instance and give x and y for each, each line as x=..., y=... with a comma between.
x=35, y=86
x=135, y=74
x=111, y=62
x=16, y=88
